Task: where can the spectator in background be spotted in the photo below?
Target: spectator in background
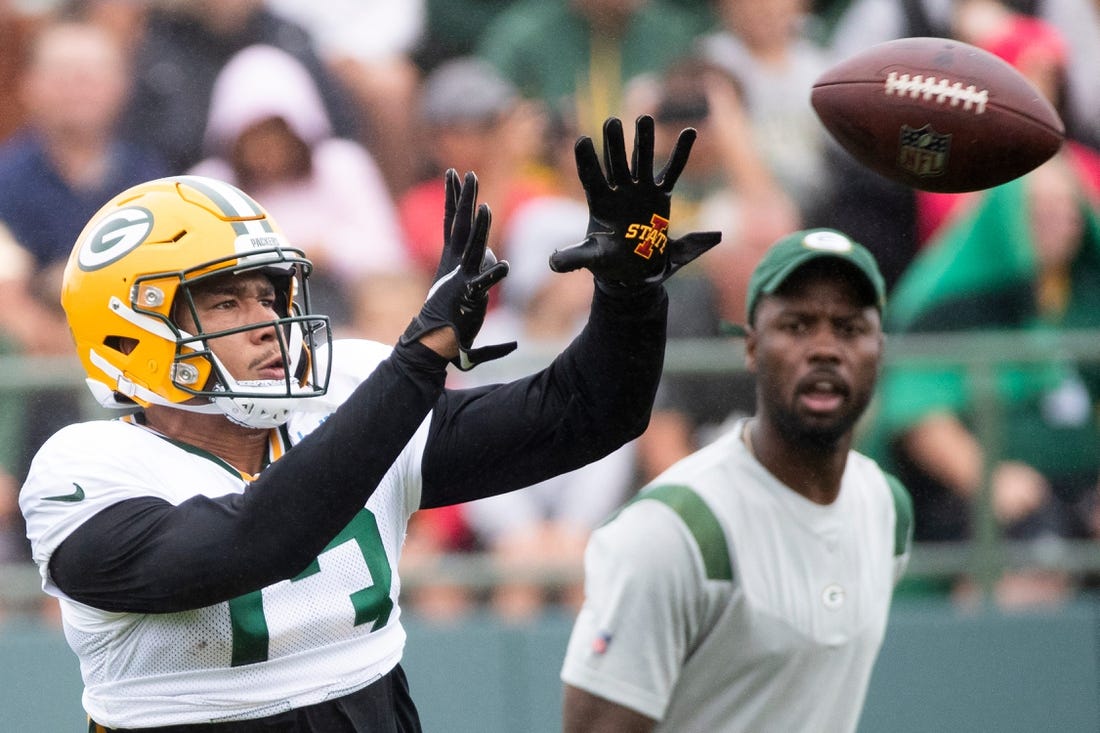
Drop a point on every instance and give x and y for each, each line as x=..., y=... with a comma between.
x=126, y=19
x=16, y=28
x=268, y=132
x=453, y=28
x=731, y=187
x=824, y=16
x=380, y=75
x=184, y=46
x=382, y=310
x=69, y=157
x=1026, y=258
x=860, y=24
x=31, y=322
x=62, y=165
x=471, y=118
x=765, y=47
x=585, y=50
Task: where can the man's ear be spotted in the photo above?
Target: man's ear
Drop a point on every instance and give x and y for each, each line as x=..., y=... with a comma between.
x=750, y=348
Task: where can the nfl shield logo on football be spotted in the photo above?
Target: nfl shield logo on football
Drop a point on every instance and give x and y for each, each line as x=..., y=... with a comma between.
x=923, y=151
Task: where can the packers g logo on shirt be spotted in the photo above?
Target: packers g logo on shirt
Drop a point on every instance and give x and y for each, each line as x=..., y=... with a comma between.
x=114, y=236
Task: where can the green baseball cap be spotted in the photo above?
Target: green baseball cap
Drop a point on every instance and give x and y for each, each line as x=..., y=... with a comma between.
x=795, y=250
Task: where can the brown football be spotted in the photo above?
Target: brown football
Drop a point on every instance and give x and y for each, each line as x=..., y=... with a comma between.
x=937, y=115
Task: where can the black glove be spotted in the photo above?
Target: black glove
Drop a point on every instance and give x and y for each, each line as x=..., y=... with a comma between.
x=627, y=242
x=459, y=294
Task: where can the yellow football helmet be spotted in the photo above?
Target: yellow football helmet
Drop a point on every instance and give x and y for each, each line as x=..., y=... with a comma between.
x=134, y=262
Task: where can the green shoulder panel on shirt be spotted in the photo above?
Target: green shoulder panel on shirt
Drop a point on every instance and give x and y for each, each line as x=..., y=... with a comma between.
x=903, y=507
x=702, y=524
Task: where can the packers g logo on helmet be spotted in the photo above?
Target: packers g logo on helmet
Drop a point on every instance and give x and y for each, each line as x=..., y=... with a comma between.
x=136, y=261
x=114, y=236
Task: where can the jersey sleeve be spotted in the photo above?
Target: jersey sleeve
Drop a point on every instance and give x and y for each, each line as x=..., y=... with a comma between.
x=647, y=603
x=903, y=525
x=80, y=471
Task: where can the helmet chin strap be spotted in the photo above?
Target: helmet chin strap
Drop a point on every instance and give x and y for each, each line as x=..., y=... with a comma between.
x=205, y=409
x=257, y=412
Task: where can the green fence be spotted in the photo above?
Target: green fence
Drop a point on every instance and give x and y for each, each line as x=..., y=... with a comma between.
x=940, y=671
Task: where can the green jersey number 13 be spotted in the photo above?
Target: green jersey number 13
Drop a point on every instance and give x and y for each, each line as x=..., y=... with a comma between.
x=371, y=604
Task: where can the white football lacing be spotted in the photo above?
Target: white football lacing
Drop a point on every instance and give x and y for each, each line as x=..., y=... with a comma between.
x=943, y=90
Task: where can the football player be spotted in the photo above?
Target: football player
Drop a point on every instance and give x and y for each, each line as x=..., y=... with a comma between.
x=747, y=588
x=225, y=553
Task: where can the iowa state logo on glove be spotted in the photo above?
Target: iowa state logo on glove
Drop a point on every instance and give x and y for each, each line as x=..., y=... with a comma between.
x=620, y=246
x=652, y=237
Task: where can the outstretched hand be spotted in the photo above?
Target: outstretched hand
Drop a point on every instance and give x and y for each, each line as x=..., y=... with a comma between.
x=459, y=295
x=628, y=243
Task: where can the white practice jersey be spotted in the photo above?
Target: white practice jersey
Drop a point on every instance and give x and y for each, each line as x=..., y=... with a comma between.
x=323, y=634
x=720, y=600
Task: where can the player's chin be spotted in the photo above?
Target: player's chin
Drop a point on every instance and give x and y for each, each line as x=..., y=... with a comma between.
x=826, y=428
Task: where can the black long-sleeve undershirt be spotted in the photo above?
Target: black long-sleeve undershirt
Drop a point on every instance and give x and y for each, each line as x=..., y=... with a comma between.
x=595, y=397
x=145, y=555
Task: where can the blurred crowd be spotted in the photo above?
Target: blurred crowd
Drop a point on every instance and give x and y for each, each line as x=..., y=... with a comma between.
x=340, y=117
